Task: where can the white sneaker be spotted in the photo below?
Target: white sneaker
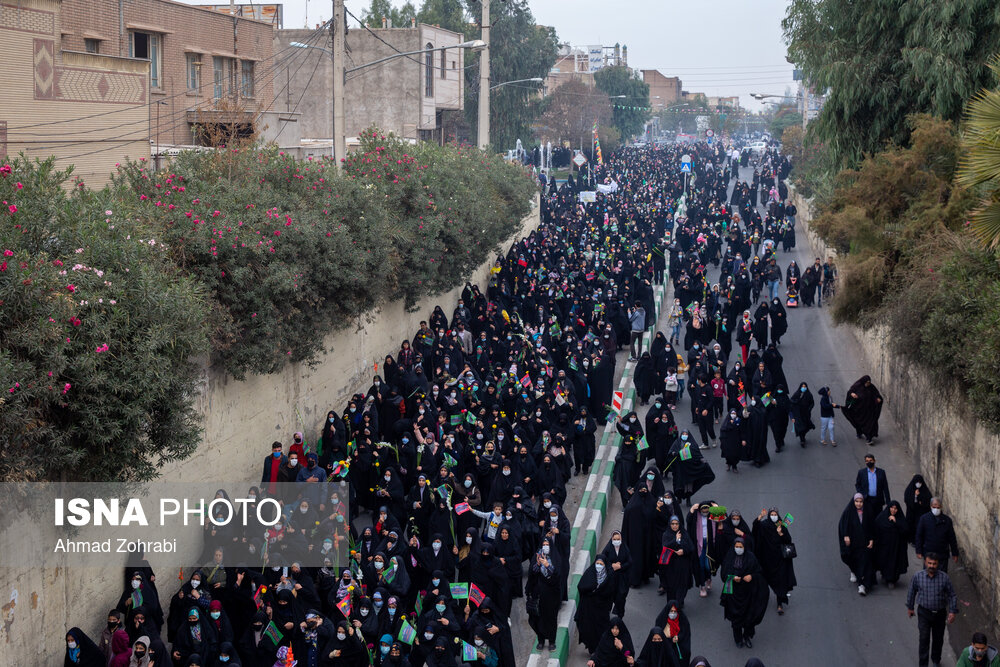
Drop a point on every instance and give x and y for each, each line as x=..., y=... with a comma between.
x=862, y=591
x=703, y=446
x=854, y=579
x=713, y=444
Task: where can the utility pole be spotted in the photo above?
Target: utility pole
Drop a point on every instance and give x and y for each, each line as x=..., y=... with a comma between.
x=338, y=26
x=484, y=80
x=805, y=106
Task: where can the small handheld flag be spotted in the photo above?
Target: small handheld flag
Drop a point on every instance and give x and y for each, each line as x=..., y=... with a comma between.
x=272, y=633
x=459, y=590
x=476, y=595
x=469, y=652
x=406, y=633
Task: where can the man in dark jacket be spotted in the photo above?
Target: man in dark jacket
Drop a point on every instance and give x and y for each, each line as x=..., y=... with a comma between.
x=873, y=484
x=936, y=534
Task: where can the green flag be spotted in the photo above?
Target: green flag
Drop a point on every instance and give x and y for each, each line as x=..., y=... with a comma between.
x=272, y=633
x=406, y=632
x=685, y=453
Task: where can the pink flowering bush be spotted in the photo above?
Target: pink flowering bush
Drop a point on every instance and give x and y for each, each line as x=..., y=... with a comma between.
x=95, y=381
x=291, y=250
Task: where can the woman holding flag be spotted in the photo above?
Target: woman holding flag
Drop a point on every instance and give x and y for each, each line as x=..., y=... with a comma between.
x=744, y=592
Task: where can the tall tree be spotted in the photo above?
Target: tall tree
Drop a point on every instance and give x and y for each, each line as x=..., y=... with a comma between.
x=397, y=17
x=630, y=98
x=448, y=14
x=519, y=49
x=980, y=163
x=881, y=60
x=571, y=111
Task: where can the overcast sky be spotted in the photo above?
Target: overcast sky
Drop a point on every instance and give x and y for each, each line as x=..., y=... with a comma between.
x=716, y=47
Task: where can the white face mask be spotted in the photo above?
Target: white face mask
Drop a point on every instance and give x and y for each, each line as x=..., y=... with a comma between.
x=545, y=549
x=341, y=636
x=437, y=547
x=936, y=511
x=195, y=583
x=468, y=540
x=479, y=642
x=135, y=584
x=774, y=518
x=547, y=504
x=364, y=612
x=379, y=565
x=672, y=615
x=71, y=645
x=428, y=636
x=736, y=522
x=738, y=550
x=616, y=543
x=918, y=485
x=293, y=462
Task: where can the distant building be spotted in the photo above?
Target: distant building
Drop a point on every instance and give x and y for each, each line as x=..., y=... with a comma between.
x=206, y=70
x=663, y=90
x=580, y=63
x=731, y=102
x=405, y=96
x=63, y=96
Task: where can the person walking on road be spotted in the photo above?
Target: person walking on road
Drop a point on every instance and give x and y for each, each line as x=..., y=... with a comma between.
x=936, y=534
x=857, y=542
x=744, y=593
x=826, y=415
x=770, y=537
x=917, y=497
x=932, y=600
x=890, y=543
x=873, y=484
x=979, y=653
x=637, y=320
x=862, y=407
x=802, y=405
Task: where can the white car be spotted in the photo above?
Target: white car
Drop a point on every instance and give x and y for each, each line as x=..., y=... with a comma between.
x=758, y=146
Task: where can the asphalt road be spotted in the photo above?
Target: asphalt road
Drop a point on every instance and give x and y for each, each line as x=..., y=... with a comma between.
x=826, y=622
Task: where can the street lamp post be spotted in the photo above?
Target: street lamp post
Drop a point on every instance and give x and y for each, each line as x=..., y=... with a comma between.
x=483, y=139
x=507, y=83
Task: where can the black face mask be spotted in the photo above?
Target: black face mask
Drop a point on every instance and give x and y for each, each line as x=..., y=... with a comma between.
x=112, y=625
x=257, y=627
x=139, y=654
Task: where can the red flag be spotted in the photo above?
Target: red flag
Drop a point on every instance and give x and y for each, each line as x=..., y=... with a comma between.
x=258, y=596
x=476, y=595
x=345, y=606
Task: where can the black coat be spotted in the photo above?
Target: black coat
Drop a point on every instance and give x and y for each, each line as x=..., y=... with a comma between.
x=890, y=543
x=881, y=498
x=778, y=570
x=936, y=534
x=747, y=603
x=593, y=612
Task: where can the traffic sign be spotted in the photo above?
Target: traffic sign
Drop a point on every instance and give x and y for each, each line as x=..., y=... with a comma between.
x=709, y=133
x=686, y=158
x=686, y=168
x=616, y=401
x=710, y=139
x=579, y=159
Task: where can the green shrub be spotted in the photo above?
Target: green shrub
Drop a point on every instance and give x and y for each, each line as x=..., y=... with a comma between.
x=98, y=333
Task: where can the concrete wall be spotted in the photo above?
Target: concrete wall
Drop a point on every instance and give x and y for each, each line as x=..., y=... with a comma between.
x=241, y=419
x=389, y=95
x=954, y=452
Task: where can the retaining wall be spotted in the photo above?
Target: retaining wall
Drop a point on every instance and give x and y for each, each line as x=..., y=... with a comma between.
x=241, y=419
x=955, y=453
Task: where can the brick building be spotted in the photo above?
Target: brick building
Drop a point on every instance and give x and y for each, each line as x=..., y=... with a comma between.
x=86, y=109
x=666, y=88
x=205, y=68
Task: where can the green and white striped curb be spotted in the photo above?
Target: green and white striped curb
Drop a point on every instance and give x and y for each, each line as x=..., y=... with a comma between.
x=588, y=523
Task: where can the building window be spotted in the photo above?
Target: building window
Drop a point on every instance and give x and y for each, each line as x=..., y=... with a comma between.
x=246, y=87
x=429, y=73
x=444, y=64
x=194, y=72
x=91, y=45
x=147, y=45
x=222, y=68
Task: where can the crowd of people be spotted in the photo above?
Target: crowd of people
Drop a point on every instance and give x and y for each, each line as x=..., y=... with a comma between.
x=436, y=496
